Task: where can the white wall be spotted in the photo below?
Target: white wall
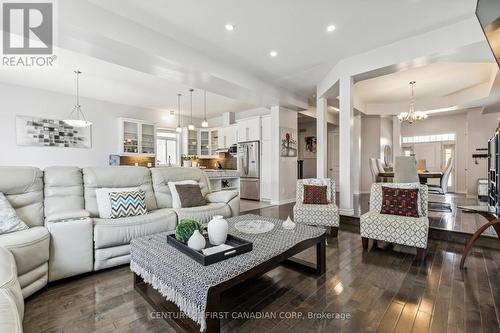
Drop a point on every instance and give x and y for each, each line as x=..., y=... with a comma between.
x=284, y=169
x=370, y=148
x=385, y=135
x=309, y=166
x=16, y=100
x=480, y=128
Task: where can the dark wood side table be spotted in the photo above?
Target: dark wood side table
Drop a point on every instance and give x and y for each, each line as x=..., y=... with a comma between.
x=493, y=217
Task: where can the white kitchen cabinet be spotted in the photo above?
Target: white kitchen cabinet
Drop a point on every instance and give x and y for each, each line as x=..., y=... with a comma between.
x=190, y=142
x=229, y=136
x=249, y=129
x=215, y=135
x=136, y=137
x=201, y=142
x=266, y=128
x=204, y=135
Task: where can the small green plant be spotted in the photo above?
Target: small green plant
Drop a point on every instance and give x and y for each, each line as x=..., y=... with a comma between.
x=186, y=228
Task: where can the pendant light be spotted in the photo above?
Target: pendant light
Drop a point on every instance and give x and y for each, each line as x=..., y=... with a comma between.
x=178, y=129
x=76, y=117
x=191, y=126
x=205, y=122
x=412, y=116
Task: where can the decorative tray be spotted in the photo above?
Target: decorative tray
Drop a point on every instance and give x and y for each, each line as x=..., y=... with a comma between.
x=238, y=246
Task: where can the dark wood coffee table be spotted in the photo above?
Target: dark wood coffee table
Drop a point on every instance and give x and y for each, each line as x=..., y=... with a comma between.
x=160, y=304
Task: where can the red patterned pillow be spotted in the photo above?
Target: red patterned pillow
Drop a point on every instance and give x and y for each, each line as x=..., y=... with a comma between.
x=399, y=201
x=315, y=195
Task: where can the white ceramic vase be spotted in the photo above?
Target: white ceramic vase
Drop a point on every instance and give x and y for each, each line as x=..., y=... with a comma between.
x=288, y=224
x=217, y=230
x=196, y=241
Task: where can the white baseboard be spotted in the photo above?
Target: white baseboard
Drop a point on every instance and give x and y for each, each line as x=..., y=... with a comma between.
x=282, y=202
x=346, y=212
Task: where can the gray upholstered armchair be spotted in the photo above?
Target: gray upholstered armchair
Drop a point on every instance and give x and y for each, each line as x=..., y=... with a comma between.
x=319, y=215
x=403, y=230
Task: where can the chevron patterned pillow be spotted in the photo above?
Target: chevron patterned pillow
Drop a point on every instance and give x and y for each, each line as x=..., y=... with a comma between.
x=125, y=204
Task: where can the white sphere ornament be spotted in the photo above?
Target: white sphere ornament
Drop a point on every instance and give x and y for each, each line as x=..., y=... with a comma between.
x=288, y=224
x=217, y=230
x=196, y=241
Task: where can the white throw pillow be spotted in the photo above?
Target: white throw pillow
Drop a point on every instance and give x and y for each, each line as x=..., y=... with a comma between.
x=9, y=221
x=104, y=202
x=176, y=201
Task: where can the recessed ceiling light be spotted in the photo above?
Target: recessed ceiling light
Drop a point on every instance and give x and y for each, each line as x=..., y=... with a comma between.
x=273, y=54
x=229, y=27
x=330, y=28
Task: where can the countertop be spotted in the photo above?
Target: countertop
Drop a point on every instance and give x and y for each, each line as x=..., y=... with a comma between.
x=221, y=173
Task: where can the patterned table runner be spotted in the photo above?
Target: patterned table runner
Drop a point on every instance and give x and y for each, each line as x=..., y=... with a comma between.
x=185, y=282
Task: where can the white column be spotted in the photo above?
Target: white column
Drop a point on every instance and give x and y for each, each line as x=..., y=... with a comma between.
x=396, y=138
x=346, y=206
x=356, y=155
x=322, y=138
x=284, y=169
x=275, y=154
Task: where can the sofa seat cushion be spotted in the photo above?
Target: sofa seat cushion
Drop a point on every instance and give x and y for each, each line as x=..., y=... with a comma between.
x=204, y=214
x=114, y=232
x=321, y=215
x=30, y=247
x=404, y=230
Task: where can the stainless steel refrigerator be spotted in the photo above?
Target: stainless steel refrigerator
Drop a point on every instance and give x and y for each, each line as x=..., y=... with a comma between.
x=249, y=168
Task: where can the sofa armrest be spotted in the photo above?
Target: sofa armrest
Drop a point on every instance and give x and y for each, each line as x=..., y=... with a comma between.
x=222, y=196
x=67, y=215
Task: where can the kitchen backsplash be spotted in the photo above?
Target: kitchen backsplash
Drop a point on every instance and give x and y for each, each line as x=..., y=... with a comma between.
x=227, y=162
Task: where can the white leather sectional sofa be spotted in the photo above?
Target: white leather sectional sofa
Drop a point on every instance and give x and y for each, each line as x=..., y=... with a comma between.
x=66, y=236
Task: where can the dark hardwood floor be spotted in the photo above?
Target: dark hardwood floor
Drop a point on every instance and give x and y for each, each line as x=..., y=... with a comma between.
x=379, y=291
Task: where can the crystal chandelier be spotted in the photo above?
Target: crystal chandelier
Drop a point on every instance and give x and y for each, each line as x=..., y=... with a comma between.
x=412, y=116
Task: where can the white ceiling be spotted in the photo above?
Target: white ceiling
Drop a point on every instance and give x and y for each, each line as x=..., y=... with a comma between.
x=432, y=81
x=296, y=29
x=109, y=82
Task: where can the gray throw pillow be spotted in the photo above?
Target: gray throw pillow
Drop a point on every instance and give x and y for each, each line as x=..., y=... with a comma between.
x=9, y=221
x=190, y=195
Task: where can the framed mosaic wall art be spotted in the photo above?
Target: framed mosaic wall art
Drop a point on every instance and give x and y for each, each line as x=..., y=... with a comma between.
x=45, y=132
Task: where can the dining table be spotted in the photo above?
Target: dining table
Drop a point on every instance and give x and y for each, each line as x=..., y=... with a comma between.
x=422, y=175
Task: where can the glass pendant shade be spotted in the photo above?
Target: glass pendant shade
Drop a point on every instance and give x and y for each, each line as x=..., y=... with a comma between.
x=178, y=129
x=205, y=122
x=77, y=117
x=191, y=126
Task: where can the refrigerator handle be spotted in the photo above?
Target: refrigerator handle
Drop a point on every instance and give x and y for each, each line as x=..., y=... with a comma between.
x=247, y=158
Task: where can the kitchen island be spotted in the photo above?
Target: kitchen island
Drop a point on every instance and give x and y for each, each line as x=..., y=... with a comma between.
x=223, y=179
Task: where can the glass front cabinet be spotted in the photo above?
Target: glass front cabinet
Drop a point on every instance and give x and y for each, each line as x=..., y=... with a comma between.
x=137, y=137
x=200, y=142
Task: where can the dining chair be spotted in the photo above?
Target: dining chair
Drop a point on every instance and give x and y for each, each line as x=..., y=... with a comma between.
x=374, y=170
x=405, y=170
x=442, y=188
x=380, y=165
